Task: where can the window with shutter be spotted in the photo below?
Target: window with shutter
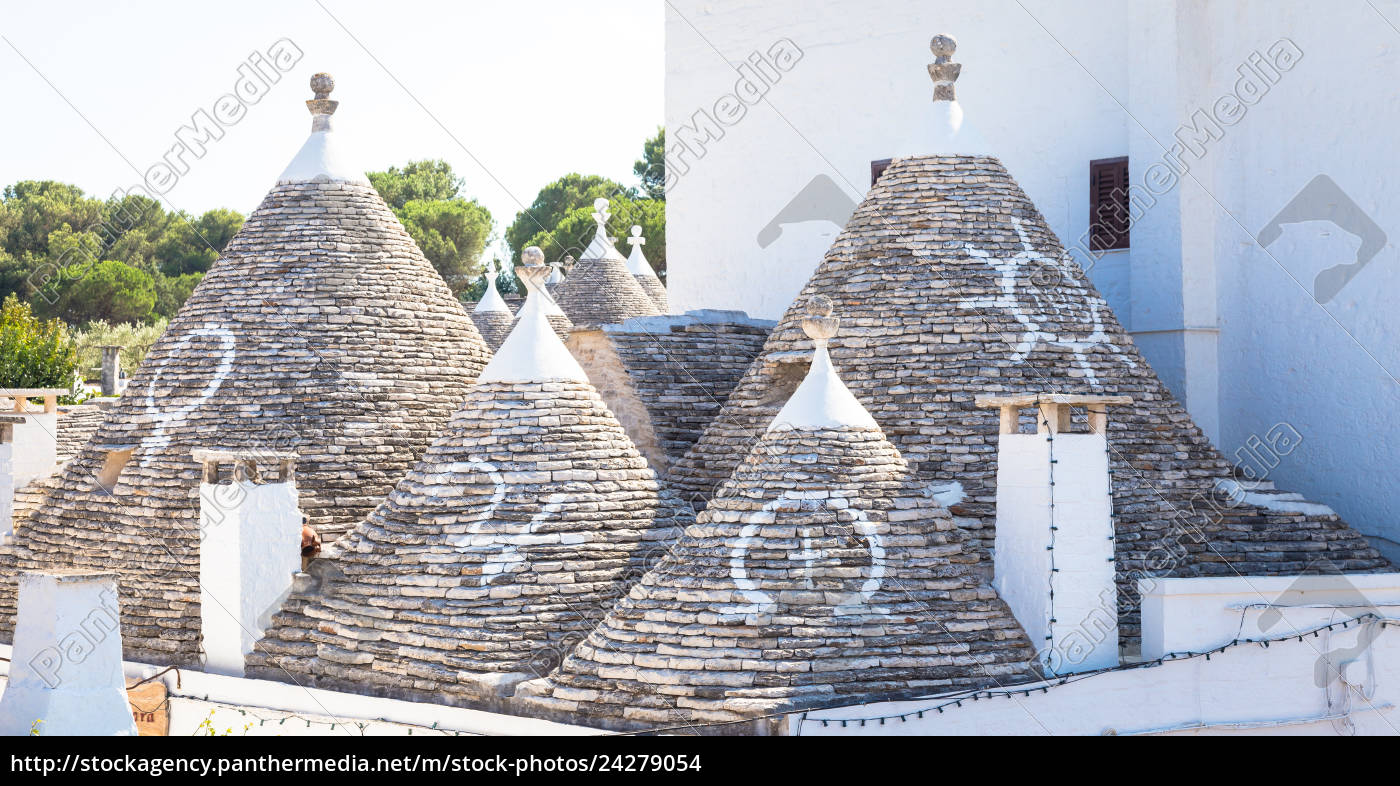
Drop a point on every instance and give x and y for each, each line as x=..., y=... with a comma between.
x=878, y=168
x=1108, y=204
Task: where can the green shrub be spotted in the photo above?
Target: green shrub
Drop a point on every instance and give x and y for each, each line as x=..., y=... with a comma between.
x=135, y=338
x=34, y=353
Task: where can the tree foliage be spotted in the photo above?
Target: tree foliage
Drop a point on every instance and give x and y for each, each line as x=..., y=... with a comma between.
x=110, y=290
x=651, y=167
x=135, y=339
x=452, y=230
x=536, y=225
x=560, y=220
x=33, y=353
x=56, y=244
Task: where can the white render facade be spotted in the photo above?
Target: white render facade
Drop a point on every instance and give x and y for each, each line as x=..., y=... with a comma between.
x=1253, y=135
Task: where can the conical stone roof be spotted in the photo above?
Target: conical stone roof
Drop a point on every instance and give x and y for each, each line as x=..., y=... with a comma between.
x=600, y=290
x=822, y=572
x=952, y=285
x=641, y=270
x=525, y=521
x=491, y=315
x=321, y=329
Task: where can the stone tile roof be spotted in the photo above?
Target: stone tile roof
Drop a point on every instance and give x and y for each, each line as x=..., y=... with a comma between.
x=524, y=522
x=952, y=285
x=321, y=329
x=602, y=292
x=494, y=326
x=682, y=369
x=77, y=423
x=822, y=572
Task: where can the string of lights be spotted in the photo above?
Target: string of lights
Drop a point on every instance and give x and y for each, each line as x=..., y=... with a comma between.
x=1047, y=658
x=982, y=695
x=280, y=719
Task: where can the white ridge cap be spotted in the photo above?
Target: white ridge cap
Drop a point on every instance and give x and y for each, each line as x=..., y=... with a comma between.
x=637, y=263
x=533, y=352
x=822, y=401
x=601, y=247
x=491, y=300
x=320, y=159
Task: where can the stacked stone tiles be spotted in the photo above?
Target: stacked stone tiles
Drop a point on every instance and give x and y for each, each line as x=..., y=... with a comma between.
x=952, y=286
x=76, y=425
x=321, y=329
x=526, y=520
x=823, y=572
x=684, y=367
x=600, y=290
x=491, y=315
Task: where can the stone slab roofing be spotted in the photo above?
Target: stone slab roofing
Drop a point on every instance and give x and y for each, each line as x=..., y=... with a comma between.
x=600, y=290
x=526, y=520
x=822, y=572
x=951, y=285
x=321, y=329
x=683, y=368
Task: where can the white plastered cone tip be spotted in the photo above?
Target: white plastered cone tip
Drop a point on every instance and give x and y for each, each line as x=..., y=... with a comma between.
x=637, y=263
x=320, y=158
x=822, y=401
x=533, y=352
x=491, y=299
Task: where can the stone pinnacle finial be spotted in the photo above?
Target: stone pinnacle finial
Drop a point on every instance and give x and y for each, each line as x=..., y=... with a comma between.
x=321, y=107
x=636, y=239
x=533, y=271
x=818, y=323
x=600, y=211
x=943, y=71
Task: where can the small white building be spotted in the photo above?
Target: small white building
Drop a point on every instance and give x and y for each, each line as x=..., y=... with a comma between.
x=1255, y=273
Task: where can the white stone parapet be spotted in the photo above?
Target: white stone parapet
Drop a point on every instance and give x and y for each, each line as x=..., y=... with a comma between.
x=35, y=452
x=66, y=667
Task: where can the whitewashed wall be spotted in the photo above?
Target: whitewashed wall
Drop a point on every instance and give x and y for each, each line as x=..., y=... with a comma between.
x=35, y=447
x=284, y=710
x=1231, y=327
x=1287, y=687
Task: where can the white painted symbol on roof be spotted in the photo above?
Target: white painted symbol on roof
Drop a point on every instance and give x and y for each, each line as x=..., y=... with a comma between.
x=164, y=416
x=846, y=602
x=499, y=541
x=1032, y=306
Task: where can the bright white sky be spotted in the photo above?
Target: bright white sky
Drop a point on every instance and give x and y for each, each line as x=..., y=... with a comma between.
x=532, y=89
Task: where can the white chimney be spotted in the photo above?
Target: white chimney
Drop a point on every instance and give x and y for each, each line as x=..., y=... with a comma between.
x=1054, y=529
x=249, y=549
x=66, y=665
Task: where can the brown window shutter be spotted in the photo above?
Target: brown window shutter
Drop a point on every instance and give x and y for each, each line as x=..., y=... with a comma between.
x=1109, y=220
x=878, y=168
